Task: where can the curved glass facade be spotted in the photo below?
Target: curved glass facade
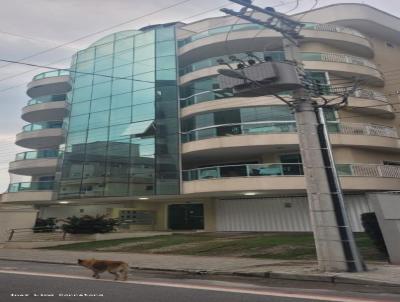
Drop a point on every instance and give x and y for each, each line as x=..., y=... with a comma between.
x=123, y=128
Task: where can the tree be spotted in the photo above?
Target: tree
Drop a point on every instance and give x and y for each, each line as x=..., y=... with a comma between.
x=44, y=225
x=89, y=224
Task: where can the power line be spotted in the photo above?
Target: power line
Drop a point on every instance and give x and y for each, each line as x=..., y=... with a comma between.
x=68, y=58
x=102, y=30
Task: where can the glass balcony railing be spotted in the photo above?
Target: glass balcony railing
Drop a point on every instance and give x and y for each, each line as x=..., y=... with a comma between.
x=47, y=99
x=41, y=126
x=206, y=96
x=47, y=153
x=284, y=127
x=278, y=169
x=50, y=74
x=249, y=26
x=279, y=56
x=239, y=129
x=287, y=169
x=31, y=186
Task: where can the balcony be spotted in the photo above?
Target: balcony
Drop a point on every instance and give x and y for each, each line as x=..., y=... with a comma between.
x=41, y=135
x=41, y=162
x=50, y=107
x=254, y=138
x=362, y=101
x=29, y=192
x=338, y=64
x=211, y=42
x=49, y=83
x=279, y=177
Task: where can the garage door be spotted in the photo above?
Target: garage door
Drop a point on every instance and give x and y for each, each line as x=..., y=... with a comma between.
x=280, y=214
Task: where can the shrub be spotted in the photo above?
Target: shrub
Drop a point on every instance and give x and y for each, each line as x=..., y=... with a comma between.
x=44, y=225
x=372, y=229
x=89, y=225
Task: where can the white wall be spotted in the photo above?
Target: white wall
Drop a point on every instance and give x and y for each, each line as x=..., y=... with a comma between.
x=15, y=219
x=270, y=214
x=64, y=211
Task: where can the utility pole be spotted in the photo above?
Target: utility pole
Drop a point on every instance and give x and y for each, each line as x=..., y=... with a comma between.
x=334, y=240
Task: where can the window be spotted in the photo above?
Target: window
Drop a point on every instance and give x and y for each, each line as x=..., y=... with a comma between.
x=103, y=63
x=145, y=52
x=143, y=112
x=105, y=49
x=121, y=86
x=100, y=104
x=80, y=108
x=120, y=116
x=77, y=123
x=121, y=100
x=123, y=44
x=98, y=134
x=82, y=94
x=99, y=119
x=101, y=90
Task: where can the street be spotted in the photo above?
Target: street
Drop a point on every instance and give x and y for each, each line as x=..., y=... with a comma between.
x=28, y=281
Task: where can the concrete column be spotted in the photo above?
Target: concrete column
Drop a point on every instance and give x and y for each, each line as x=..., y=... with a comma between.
x=387, y=210
x=328, y=243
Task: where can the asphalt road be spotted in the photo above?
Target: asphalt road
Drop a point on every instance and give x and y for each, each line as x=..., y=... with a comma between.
x=27, y=281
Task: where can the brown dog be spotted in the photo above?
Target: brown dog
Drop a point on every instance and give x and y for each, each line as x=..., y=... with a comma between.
x=100, y=266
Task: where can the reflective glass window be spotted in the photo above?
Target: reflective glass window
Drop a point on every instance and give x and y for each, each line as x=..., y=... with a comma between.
x=101, y=90
x=144, y=66
x=120, y=116
x=143, y=96
x=77, y=123
x=167, y=62
x=105, y=49
x=121, y=100
x=143, y=112
x=100, y=104
x=99, y=119
x=119, y=132
x=144, y=81
x=80, y=108
x=124, y=71
x=86, y=55
x=82, y=94
x=123, y=44
x=83, y=80
x=166, y=33
x=123, y=58
x=97, y=134
x=144, y=39
x=85, y=67
x=166, y=48
x=144, y=52
x=121, y=86
x=103, y=63
x=102, y=76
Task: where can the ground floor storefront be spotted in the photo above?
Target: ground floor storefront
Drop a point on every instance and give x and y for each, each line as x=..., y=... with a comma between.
x=257, y=214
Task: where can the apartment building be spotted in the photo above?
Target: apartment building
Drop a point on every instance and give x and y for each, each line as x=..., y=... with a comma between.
x=139, y=129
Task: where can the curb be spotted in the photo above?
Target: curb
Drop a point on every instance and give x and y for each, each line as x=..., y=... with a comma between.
x=264, y=275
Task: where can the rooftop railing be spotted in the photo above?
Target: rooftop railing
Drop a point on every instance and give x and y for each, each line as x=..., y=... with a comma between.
x=50, y=74
x=249, y=26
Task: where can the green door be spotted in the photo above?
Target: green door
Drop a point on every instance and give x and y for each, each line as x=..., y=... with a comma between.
x=186, y=217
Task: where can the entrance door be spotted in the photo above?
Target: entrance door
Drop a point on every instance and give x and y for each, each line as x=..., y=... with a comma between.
x=186, y=217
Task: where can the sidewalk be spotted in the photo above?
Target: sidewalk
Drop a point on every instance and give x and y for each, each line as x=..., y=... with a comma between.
x=379, y=274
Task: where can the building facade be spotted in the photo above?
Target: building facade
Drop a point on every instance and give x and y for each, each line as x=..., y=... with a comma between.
x=139, y=129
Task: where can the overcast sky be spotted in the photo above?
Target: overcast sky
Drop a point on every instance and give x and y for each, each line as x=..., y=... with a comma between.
x=30, y=26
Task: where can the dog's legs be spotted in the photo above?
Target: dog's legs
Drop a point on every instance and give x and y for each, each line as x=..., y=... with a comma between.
x=125, y=272
x=96, y=275
x=115, y=274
